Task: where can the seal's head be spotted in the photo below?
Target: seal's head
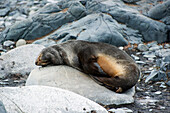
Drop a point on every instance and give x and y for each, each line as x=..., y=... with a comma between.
x=49, y=56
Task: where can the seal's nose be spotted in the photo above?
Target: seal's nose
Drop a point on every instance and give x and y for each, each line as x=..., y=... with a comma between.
x=36, y=62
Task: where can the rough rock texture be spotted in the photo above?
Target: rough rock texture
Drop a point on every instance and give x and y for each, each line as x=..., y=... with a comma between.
x=93, y=28
x=160, y=11
x=73, y=80
x=51, y=17
x=43, y=99
x=19, y=60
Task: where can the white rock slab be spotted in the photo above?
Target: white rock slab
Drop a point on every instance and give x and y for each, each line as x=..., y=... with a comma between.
x=73, y=80
x=44, y=99
x=20, y=60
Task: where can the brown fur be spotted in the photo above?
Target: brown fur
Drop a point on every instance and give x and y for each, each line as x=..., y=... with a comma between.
x=106, y=64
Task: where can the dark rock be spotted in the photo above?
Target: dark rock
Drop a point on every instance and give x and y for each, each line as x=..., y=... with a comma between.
x=4, y=11
x=131, y=1
x=166, y=20
x=160, y=11
x=77, y=10
x=95, y=28
x=168, y=83
x=150, y=29
x=2, y=108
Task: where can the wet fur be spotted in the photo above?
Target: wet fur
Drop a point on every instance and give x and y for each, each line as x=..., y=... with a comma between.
x=106, y=64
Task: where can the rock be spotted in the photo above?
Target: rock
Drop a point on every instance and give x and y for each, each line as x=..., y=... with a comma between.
x=94, y=28
x=73, y=80
x=152, y=74
x=154, y=48
x=158, y=92
x=121, y=110
x=168, y=83
x=43, y=99
x=142, y=47
x=4, y=11
x=135, y=57
x=20, y=42
x=8, y=43
x=160, y=11
x=45, y=42
x=19, y=60
x=40, y=24
x=162, y=52
x=131, y=1
x=149, y=56
x=2, y=108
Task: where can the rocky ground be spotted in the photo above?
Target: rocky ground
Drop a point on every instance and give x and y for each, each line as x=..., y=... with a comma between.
x=153, y=58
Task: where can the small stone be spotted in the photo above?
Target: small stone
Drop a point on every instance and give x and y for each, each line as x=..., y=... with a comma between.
x=121, y=48
x=121, y=110
x=135, y=57
x=139, y=89
x=167, y=46
x=154, y=48
x=158, y=92
x=20, y=42
x=140, y=62
x=8, y=43
x=168, y=83
x=150, y=110
x=142, y=47
x=150, y=56
x=162, y=85
x=152, y=44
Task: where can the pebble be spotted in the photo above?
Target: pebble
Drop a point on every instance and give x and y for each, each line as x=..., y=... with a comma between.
x=158, y=92
x=20, y=42
x=121, y=110
x=152, y=44
x=150, y=56
x=8, y=43
x=135, y=57
x=168, y=83
x=142, y=47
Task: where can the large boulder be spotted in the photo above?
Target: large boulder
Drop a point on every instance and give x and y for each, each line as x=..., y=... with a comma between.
x=43, y=99
x=19, y=60
x=160, y=11
x=94, y=28
x=73, y=80
x=43, y=22
x=149, y=28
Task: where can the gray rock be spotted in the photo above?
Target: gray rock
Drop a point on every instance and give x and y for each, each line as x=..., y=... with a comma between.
x=154, y=48
x=95, y=28
x=19, y=60
x=149, y=56
x=73, y=80
x=43, y=99
x=135, y=57
x=160, y=11
x=162, y=52
x=20, y=42
x=150, y=29
x=142, y=47
x=166, y=20
x=45, y=42
x=77, y=10
x=152, y=44
x=168, y=83
x=4, y=11
x=8, y=43
x=152, y=74
x=2, y=108
x=41, y=24
x=121, y=110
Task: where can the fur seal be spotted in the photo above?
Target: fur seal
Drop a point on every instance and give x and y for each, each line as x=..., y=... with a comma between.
x=105, y=63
